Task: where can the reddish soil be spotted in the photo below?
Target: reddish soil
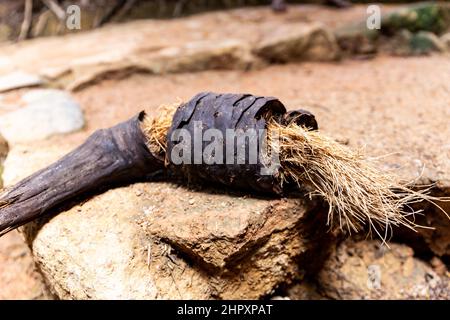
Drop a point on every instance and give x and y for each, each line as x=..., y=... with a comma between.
x=18, y=278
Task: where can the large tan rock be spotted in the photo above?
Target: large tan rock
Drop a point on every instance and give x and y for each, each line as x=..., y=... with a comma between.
x=366, y=270
x=305, y=290
x=356, y=39
x=17, y=80
x=248, y=245
x=194, y=56
x=436, y=237
x=298, y=42
x=4, y=149
x=160, y=240
x=446, y=41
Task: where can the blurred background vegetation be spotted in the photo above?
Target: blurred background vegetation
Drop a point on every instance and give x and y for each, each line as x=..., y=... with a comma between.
x=20, y=19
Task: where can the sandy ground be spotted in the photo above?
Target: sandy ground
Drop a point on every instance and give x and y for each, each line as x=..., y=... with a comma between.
x=18, y=278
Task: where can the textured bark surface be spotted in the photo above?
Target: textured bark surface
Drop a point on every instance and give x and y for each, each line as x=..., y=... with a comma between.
x=240, y=114
x=110, y=156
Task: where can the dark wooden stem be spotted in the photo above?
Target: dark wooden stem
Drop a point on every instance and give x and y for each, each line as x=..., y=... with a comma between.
x=109, y=156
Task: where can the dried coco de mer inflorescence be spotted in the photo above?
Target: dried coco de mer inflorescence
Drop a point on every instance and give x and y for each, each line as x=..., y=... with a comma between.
x=359, y=195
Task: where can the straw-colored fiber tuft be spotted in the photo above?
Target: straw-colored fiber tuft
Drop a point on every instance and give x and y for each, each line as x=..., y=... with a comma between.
x=156, y=128
x=358, y=193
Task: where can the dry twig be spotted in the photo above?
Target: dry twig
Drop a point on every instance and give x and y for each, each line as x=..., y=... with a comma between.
x=57, y=10
x=26, y=24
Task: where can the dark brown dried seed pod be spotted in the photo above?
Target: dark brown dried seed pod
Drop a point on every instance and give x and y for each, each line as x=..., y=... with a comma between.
x=225, y=112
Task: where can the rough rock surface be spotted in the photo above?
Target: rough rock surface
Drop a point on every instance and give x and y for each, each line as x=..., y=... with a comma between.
x=160, y=240
x=190, y=57
x=405, y=43
x=436, y=238
x=305, y=290
x=299, y=42
x=446, y=40
x=248, y=245
x=356, y=39
x=17, y=80
x=44, y=112
x=366, y=270
x=4, y=149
